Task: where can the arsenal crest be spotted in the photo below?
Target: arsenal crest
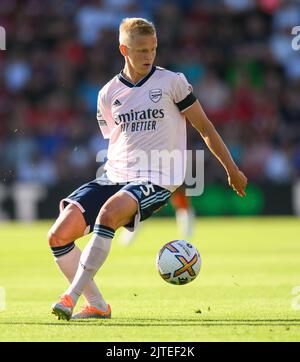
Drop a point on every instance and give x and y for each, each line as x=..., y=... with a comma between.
x=155, y=95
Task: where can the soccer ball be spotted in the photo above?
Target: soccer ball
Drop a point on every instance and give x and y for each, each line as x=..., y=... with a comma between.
x=178, y=262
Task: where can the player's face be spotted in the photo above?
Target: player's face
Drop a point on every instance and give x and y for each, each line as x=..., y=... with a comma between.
x=141, y=53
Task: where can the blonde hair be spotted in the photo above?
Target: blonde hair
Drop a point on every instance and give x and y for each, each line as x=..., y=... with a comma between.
x=134, y=26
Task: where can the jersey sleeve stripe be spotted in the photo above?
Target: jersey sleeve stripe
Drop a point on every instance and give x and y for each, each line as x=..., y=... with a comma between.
x=186, y=102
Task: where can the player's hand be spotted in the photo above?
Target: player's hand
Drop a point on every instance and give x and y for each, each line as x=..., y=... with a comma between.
x=238, y=181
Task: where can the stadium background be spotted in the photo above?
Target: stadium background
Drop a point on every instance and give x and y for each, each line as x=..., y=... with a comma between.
x=237, y=55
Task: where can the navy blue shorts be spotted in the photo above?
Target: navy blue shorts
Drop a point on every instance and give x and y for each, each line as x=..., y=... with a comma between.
x=90, y=197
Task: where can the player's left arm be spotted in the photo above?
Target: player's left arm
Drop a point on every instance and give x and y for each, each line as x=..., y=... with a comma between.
x=236, y=179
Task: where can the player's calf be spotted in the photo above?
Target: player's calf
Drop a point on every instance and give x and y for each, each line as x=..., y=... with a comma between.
x=69, y=226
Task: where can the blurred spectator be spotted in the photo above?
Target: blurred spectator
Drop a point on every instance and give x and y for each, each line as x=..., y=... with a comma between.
x=255, y=160
x=286, y=16
x=278, y=167
x=91, y=18
x=239, y=5
x=37, y=169
x=96, y=15
x=214, y=97
x=16, y=75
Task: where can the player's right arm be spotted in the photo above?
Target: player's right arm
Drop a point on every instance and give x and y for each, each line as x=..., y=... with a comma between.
x=236, y=179
x=104, y=117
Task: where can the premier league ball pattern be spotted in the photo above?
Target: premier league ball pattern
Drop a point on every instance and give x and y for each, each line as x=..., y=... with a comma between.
x=178, y=262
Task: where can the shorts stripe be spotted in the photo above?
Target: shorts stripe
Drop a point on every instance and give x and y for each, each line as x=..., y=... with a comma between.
x=157, y=199
x=154, y=202
x=158, y=194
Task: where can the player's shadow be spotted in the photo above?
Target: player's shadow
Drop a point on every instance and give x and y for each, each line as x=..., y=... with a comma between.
x=177, y=322
x=172, y=322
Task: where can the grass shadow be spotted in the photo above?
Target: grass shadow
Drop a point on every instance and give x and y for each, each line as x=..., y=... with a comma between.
x=173, y=322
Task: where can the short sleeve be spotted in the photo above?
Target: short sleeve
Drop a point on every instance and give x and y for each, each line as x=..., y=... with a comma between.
x=102, y=116
x=182, y=92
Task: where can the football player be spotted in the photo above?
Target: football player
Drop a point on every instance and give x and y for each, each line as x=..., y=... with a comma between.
x=143, y=111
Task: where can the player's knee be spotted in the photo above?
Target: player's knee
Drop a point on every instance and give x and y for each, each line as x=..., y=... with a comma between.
x=108, y=217
x=55, y=239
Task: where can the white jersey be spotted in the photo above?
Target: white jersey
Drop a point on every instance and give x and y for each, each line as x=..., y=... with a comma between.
x=146, y=127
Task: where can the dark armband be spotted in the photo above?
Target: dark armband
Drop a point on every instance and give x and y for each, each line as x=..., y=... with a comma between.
x=186, y=102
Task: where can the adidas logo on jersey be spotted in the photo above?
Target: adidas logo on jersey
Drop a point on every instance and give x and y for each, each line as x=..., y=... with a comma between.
x=116, y=103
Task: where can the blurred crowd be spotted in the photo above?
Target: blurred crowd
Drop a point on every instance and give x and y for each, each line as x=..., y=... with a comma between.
x=237, y=54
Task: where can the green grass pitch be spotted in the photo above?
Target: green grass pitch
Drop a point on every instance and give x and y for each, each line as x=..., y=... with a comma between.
x=243, y=292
